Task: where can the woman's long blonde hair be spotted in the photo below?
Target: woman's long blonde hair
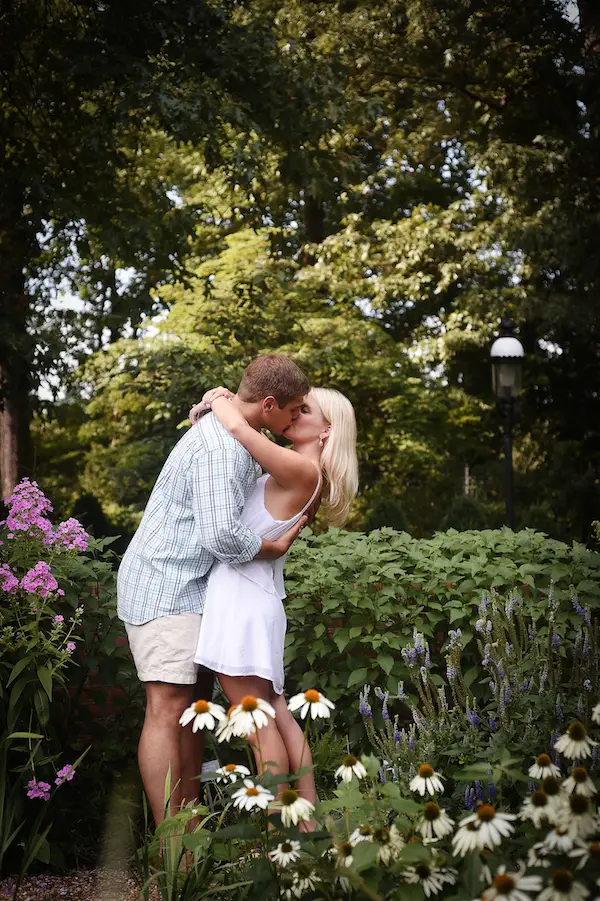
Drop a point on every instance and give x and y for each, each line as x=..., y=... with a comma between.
x=338, y=460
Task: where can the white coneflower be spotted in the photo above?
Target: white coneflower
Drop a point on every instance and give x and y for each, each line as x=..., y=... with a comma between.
x=563, y=887
x=539, y=808
x=350, y=767
x=301, y=884
x=575, y=743
x=429, y=877
x=576, y=815
x=311, y=701
x=579, y=783
x=596, y=714
x=230, y=772
x=231, y=728
x=491, y=826
x=364, y=833
x=390, y=841
x=427, y=780
x=537, y=856
x=252, y=795
x=294, y=808
x=285, y=853
x=558, y=840
x=251, y=712
x=543, y=767
x=203, y=713
x=435, y=823
x=512, y=886
x=343, y=855
x=585, y=851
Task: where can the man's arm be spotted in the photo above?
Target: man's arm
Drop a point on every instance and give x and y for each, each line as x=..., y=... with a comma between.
x=217, y=481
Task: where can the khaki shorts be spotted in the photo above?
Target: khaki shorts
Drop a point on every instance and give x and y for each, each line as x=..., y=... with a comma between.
x=163, y=649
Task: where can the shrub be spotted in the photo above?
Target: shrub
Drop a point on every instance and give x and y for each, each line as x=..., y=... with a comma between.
x=355, y=599
x=57, y=589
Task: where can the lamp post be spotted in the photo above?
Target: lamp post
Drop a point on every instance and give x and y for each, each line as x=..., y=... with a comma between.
x=507, y=363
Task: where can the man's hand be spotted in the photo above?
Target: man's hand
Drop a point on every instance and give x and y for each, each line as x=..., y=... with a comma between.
x=198, y=410
x=272, y=550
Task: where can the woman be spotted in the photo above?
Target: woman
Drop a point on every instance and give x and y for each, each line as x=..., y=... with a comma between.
x=243, y=622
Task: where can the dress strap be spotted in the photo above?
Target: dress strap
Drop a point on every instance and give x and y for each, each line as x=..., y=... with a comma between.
x=315, y=492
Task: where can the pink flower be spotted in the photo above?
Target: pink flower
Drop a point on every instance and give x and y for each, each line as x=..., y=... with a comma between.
x=38, y=790
x=72, y=534
x=27, y=506
x=71, y=646
x=59, y=619
x=65, y=774
x=39, y=580
x=8, y=581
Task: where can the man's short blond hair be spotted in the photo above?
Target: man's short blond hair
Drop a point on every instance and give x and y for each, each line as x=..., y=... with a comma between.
x=273, y=375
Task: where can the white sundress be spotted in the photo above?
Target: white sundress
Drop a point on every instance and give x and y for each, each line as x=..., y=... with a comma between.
x=243, y=621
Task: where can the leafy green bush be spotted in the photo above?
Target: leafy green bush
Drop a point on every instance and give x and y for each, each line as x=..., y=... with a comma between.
x=355, y=599
x=56, y=637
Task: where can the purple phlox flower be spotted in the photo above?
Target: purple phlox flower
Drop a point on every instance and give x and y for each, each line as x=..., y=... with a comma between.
x=8, y=581
x=492, y=724
x=65, y=774
x=491, y=791
x=39, y=580
x=27, y=506
x=478, y=790
x=60, y=592
x=555, y=641
x=587, y=685
x=72, y=534
x=418, y=642
x=38, y=790
x=470, y=798
x=397, y=736
x=59, y=619
x=71, y=646
x=507, y=694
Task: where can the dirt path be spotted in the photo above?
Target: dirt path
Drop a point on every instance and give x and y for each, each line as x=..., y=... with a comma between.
x=85, y=885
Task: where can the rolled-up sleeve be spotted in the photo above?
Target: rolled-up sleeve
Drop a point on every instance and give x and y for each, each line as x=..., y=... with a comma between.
x=218, y=482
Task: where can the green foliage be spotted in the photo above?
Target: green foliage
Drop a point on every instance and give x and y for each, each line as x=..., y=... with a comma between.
x=355, y=599
x=465, y=513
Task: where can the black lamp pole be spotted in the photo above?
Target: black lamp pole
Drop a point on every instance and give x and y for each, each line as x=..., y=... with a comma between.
x=507, y=360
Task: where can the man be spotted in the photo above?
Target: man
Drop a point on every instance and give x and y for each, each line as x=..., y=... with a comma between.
x=193, y=519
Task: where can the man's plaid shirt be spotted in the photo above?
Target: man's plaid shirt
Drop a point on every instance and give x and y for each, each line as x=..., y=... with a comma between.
x=192, y=519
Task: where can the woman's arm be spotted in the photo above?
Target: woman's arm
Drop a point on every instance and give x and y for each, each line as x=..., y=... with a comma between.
x=287, y=467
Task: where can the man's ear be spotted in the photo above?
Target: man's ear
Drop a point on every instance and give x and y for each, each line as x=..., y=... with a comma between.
x=269, y=403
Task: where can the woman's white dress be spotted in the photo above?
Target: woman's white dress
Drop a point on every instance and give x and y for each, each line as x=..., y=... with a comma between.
x=243, y=621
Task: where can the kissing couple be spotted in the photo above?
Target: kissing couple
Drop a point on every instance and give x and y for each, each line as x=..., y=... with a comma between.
x=200, y=588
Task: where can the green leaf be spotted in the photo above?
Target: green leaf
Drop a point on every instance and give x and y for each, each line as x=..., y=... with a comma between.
x=45, y=677
x=357, y=677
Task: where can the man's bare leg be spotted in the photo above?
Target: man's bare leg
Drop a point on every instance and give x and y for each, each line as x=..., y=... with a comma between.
x=160, y=743
x=192, y=743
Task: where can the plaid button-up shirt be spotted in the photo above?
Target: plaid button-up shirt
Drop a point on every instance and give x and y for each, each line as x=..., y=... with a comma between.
x=192, y=519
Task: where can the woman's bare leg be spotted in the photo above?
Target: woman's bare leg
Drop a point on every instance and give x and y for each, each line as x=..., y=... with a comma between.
x=298, y=751
x=272, y=746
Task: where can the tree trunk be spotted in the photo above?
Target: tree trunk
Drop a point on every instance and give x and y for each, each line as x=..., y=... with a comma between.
x=15, y=355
